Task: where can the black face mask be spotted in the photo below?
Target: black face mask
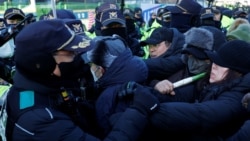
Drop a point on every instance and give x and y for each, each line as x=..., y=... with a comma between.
x=121, y=31
x=181, y=21
x=217, y=24
x=207, y=22
x=165, y=24
x=130, y=24
x=72, y=70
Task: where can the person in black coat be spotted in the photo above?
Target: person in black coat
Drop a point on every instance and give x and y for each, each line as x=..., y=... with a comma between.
x=198, y=41
x=165, y=49
x=152, y=19
x=218, y=113
x=194, y=61
x=44, y=101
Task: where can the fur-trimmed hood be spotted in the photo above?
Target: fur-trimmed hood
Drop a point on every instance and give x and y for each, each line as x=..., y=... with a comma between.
x=197, y=41
x=200, y=38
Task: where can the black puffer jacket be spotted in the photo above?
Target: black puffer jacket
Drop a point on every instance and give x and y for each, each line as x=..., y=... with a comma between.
x=168, y=63
x=218, y=114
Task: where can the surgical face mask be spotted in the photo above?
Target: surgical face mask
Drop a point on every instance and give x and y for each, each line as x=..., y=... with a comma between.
x=196, y=66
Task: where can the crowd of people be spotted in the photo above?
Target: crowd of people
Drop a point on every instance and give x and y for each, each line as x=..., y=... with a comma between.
x=184, y=75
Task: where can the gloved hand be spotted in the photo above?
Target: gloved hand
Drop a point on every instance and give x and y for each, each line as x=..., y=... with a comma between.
x=246, y=101
x=7, y=33
x=128, y=89
x=144, y=101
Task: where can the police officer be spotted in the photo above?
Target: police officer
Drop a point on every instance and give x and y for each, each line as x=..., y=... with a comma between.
x=12, y=17
x=42, y=105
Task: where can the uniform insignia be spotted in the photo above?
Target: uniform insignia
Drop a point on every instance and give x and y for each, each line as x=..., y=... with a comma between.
x=112, y=15
x=85, y=43
x=77, y=28
x=16, y=11
x=208, y=11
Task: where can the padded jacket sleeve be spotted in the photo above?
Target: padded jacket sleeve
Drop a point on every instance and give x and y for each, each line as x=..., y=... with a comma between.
x=49, y=125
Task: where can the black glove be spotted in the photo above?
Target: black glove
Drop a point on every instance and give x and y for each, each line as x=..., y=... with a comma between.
x=7, y=33
x=127, y=89
x=246, y=101
x=144, y=101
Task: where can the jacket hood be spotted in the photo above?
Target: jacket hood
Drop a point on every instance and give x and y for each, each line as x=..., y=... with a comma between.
x=125, y=67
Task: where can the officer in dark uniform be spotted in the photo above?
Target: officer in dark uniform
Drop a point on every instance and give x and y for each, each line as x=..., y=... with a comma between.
x=113, y=22
x=42, y=103
x=12, y=17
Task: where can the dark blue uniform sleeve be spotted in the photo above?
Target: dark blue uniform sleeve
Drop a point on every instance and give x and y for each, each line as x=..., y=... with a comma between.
x=39, y=125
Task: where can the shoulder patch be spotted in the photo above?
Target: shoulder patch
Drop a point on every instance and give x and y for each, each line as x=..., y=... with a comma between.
x=27, y=99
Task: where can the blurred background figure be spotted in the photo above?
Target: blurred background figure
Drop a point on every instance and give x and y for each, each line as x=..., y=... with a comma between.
x=12, y=17
x=139, y=19
x=99, y=10
x=113, y=22
x=236, y=23
x=239, y=13
x=240, y=33
x=2, y=23
x=184, y=15
x=164, y=17
x=61, y=14
x=210, y=17
x=152, y=19
x=133, y=31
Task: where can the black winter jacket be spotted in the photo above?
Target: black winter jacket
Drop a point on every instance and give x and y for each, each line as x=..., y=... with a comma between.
x=217, y=115
x=34, y=114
